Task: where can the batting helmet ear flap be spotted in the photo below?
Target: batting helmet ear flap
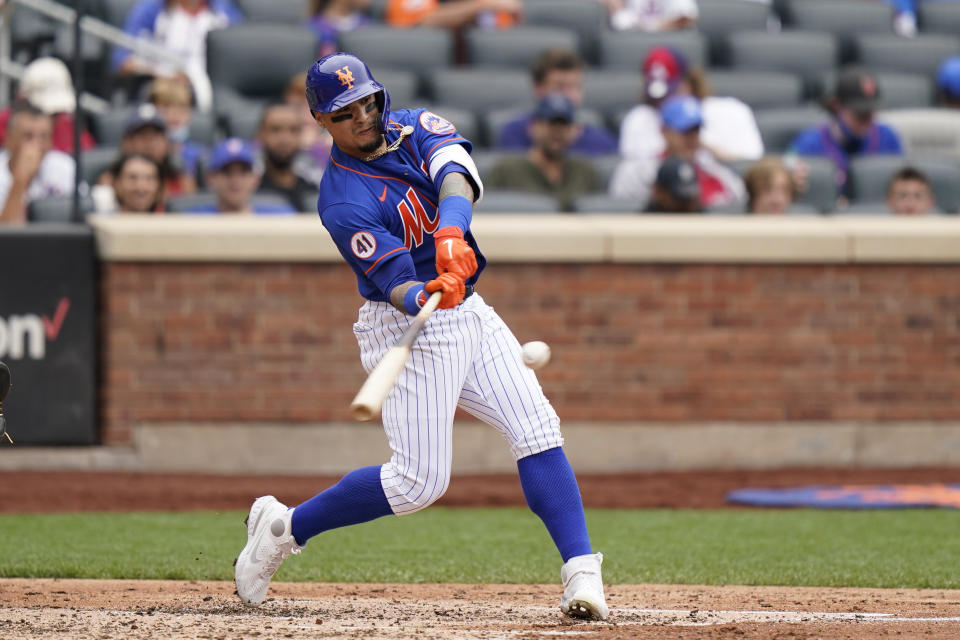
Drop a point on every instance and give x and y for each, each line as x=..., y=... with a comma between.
x=336, y=80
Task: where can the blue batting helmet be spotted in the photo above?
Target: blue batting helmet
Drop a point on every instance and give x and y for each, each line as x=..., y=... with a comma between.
x=337, y=79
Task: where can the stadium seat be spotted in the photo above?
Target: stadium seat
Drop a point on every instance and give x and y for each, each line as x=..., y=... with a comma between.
x=285, y=11
x=188, y=202
x=115, y=11
x=465, y=120
x=245, y=60
x=612, y=91
x=921, y=54
x=522, y=202
x=600, y=203
x=718, y=18
x=897, y=90
x=487, y=160
x=866, y=209
x=778, y=127
x=95, y=161
x=626, y=50
x=496, y=119
x=108, y=127
x=420, y=50
x=587, y=19
x=806, y=53
x=57, y=209
x=605, y=165
x=402, y=85
x=481, y=89
x=516, y=48
x=803, y=209
x=939, y=17
x=843, y=18
x=821, y=192
x=870, y=175
x=927, y=131
x=759, y=89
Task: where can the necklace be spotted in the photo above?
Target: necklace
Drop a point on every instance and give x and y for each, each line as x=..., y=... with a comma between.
x=393, y=146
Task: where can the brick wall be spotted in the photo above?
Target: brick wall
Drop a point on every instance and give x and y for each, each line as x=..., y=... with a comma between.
x=273, y=342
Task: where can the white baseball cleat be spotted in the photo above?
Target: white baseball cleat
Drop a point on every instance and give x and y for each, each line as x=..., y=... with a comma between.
x=269, y=541
x=583, y=588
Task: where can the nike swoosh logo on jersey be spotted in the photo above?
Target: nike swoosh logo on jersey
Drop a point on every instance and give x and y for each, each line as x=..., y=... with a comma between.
x=383, y=196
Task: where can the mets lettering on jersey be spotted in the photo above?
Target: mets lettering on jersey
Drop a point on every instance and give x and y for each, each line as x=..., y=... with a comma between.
x=381, y=209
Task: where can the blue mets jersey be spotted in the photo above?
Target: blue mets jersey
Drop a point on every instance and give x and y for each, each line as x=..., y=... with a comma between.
x=382, y=213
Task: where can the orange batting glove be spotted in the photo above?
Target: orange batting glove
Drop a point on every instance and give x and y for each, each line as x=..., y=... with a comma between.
x=454, y=255
x=451, y=285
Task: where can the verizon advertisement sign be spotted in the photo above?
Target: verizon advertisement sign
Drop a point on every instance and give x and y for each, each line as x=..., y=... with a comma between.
x=48, y=333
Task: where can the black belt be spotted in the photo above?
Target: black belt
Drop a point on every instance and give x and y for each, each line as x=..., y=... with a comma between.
x=469, y=291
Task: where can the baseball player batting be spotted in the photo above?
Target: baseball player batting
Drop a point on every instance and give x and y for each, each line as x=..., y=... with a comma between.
x=397, y=198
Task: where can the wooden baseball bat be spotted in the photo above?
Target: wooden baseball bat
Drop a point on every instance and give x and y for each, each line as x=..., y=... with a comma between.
x=369, y=399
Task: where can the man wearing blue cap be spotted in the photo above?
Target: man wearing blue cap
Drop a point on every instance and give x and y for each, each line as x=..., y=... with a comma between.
x=548, y=168
x=232, y=175
x=682, y=120
x=948, y=83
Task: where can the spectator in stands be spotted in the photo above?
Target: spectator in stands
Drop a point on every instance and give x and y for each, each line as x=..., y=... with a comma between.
x=852, y=130
x=909, y=193
x=315, y=141
x=174, y=102
x=279, y=136
x=652, y=15
x=146, y=133
x=46, y=84
x=682, y=121
x=730, y=130
x=330, y=18
x=558, y=71
x=676, y=189
x=234, y=177
x=182, y=27
x=496, y=14
x=30, y=169
x=770, y=187
x=136, y=186
x=948, y=83
x=547, y=167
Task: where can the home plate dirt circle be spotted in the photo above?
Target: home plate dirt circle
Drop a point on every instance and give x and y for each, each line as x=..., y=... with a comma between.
x=59, y=609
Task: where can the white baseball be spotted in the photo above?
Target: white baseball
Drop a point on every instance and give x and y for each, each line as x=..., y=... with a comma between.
x=536, y=354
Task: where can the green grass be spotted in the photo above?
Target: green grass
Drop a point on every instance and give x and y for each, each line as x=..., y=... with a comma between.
x=910, y=548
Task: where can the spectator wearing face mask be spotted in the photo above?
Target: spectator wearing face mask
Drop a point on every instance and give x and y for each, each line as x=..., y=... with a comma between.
x=174, y=102
x=853, y=130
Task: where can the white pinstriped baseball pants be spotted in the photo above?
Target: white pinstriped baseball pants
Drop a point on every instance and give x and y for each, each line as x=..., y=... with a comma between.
x=466, y=357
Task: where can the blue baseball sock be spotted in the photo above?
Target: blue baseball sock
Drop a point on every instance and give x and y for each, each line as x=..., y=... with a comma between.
x=358, y=497
x=551, y=491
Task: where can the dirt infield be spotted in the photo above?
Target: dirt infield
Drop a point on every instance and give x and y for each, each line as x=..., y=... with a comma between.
x=57, y=609
x=98, y=610
x=46, y=491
